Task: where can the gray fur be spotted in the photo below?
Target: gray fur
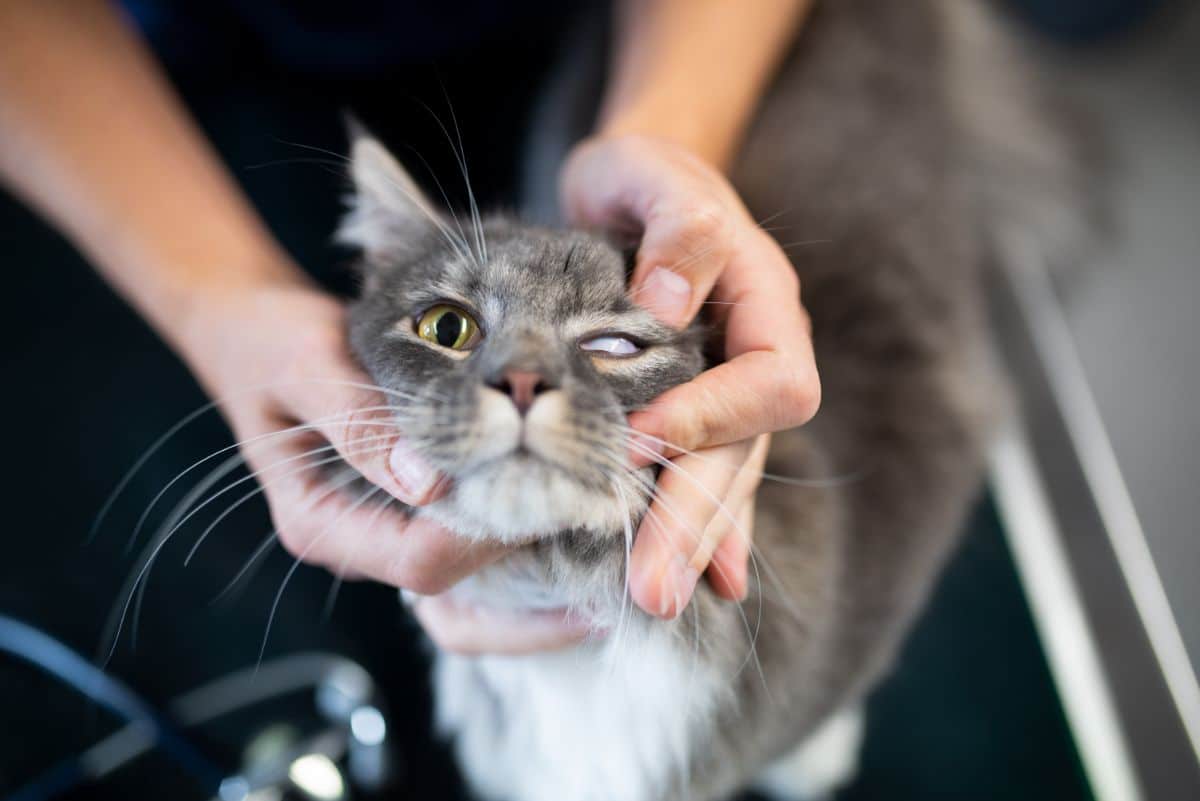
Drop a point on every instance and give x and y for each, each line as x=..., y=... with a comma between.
x=858, y=145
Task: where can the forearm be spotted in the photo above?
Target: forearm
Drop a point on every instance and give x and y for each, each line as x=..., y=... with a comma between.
x=92, y=136
x=691, y=71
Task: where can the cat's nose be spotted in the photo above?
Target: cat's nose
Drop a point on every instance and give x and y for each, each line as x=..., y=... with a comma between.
x=522, y=386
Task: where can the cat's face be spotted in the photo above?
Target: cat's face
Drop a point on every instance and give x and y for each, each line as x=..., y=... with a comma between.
x=514, y=354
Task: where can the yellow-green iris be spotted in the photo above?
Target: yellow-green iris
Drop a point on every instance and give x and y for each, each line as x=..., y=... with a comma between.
x=448, y=326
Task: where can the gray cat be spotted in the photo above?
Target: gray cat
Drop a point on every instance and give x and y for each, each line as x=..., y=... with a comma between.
x=526, y=355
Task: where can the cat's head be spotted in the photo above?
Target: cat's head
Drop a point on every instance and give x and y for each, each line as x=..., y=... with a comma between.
x=513, y=354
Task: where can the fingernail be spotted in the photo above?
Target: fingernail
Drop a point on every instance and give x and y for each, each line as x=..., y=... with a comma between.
x=416, y=479
x=666, y=295
x=678, y=584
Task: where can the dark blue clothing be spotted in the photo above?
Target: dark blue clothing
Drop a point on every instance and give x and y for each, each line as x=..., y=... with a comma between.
x=337, y=36
x=1084, y=21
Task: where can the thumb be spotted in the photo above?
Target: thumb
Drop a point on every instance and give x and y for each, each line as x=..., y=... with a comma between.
x=359, y=422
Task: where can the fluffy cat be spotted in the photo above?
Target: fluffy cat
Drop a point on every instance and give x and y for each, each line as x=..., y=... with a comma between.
x=525, y=356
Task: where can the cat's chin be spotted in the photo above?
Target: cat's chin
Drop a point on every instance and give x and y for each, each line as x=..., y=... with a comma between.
x=522, y=499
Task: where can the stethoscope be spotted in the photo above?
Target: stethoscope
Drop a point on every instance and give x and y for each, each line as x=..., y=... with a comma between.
x=350, y=752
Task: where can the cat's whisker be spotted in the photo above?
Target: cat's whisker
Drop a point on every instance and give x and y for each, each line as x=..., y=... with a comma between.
x=751, y=632
x=339, y=576
x=654, y=496
x=258, y=552
x=804, y=243
x=675, y=267
x=243, y=444
x=173, y=520
x=169, y=434
x=721, y=507
x=156, y=546
x=815, y=483
x=366, y=496
x=780, y=588
x=652, y=493
x=232, y=507
x=625, y=612
x=772, y=217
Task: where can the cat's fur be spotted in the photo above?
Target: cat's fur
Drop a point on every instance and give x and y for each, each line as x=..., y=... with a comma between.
x=858, y=144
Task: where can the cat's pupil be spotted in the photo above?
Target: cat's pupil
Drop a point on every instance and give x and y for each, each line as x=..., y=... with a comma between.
x=448, y=328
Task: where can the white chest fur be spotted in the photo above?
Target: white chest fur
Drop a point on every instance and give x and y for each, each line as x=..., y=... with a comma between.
x=577, y=725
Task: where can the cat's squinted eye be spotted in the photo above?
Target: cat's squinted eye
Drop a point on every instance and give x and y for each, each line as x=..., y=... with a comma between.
x=610, y=345
x=448, y=326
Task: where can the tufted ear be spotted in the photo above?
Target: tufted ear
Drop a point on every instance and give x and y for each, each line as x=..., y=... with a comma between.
x=388, y=209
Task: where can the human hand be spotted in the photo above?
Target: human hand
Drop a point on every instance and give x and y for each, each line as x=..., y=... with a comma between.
x=276, y=357
x=698, y=240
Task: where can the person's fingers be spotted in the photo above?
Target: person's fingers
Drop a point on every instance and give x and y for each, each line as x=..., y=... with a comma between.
x=728, y=573
x=346, y=411
x=671, y=549
x=688, y=241
x=770, y=382
x=468, y=629
x=321, y=520
x=687, y=216
x=733, y=530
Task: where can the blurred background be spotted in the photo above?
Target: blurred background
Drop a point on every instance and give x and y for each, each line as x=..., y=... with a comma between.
x=1057, y=661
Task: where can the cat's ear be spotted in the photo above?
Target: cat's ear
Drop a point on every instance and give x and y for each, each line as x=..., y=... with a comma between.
x=387, y=208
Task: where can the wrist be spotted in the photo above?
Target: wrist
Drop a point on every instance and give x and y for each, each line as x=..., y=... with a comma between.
x=713, y=144
x=202, y=314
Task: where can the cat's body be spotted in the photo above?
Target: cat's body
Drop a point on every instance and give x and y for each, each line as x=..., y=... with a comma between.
x=856, y=147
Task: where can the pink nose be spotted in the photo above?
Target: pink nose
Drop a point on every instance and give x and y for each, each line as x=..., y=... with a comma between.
x=522, y=387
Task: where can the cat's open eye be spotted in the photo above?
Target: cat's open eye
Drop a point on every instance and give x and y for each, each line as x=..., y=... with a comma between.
x=448, y=326
x=611, y=345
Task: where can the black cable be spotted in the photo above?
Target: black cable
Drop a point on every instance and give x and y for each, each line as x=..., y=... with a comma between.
x=53, y=657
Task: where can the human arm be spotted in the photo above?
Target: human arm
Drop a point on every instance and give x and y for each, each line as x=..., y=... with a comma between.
x=93, y=137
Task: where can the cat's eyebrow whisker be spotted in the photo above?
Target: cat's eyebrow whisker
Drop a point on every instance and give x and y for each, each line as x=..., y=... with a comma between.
x=461, y=160
x=446, y=204
x=366, y=496
x=455, y=244
x=462, y=163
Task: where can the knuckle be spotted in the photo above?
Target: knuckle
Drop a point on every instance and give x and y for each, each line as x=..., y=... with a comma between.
x=413, y=575
x=800, y=396
x=706, y=224
x=692, y=431
x=293, y=538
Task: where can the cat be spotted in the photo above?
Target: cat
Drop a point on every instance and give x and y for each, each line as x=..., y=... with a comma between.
x=520, y=354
